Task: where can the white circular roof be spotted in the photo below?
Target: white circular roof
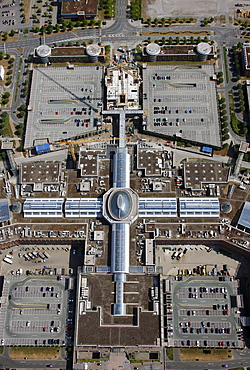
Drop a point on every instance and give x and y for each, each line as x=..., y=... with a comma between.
x=153, y=48
x=204, y=48
x=93, y=50
x=43, y=51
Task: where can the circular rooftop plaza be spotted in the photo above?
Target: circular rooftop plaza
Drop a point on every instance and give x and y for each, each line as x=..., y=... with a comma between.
x=120, y=205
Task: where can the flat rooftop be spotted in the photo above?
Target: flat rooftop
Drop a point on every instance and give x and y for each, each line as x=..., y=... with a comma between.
x=63, y=103
x=72, y=7
x=181, y=102
x=198, y=173
x=204, y=313
x=39, y=173
x=141, y=328
x=29, y=307
x=151, y=160
x=88, y=162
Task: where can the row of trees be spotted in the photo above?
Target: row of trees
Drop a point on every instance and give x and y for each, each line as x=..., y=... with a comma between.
x=177, y=40
x=21, y=113
x=22, y=12
x=5, y=98
x=135, y=9
x=208, y=21
x=224, y=121
x=4, y=124
x=66, y=26
x=166, y=21
x=108, y=8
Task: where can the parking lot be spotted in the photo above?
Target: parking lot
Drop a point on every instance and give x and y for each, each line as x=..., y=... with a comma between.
x=36, y=311
x=65, y=102
x=181, y=101
x=205, y=313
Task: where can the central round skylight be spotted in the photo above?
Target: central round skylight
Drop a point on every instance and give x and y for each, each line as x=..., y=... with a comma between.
x=120, y=204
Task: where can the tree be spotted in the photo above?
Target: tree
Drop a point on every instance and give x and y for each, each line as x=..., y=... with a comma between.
x=244, y=130
x=5, y=101
x=6, y=95
x=163, y=40
x=26, y=30
x=238, y=77
x=222, y=100
x=156, y=21
x=220, y=74
x=242, y=106
x=5, y=36
x=225, y=131
x=149, y=22
x=138, y=49
x=22, y=107
x=170, y=40
x=163, y=21
x=177, y=40
x=12, y=33
x=107, y=49
x=84, y=23
x=184, y=40
x=220, y=80
x=19, y=132
x=225, y=137
x=21, y=114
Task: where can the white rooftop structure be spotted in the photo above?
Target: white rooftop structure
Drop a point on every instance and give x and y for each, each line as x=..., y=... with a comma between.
x=157, y=207
x=43, y=51
x=244, y=220
x=43, y=207
x=149, y=252
x=204, y=48
x=199, y=207
x=153, y=48
x=1, y=73
x=122, y=83
x=93, y=50
x=81, y=207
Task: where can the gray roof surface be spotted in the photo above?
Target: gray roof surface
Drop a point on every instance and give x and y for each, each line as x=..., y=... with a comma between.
x=4, y=210
x=244, y=219
x=187, y=99
x=43, y=207
x=120, y=204
x=199, y=207
x=58, y=98
x=121, y=169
